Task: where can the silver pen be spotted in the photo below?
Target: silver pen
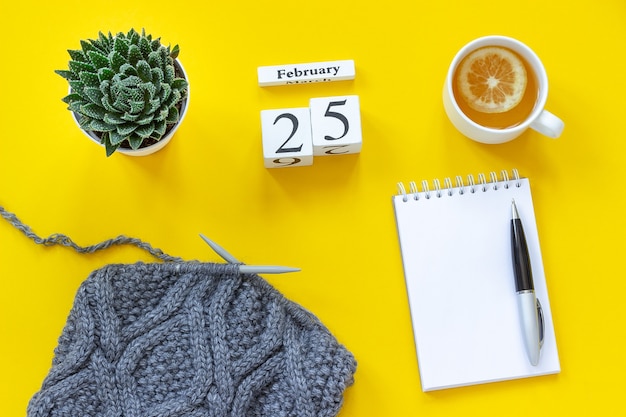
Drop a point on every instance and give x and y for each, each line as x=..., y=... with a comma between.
x=531, y=317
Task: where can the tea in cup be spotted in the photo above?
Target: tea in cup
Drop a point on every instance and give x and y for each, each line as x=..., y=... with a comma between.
x=495, y=89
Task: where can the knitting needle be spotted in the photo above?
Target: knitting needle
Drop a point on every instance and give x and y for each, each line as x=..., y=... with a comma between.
x=247, y=269
x=220, y=250
x=266, y=269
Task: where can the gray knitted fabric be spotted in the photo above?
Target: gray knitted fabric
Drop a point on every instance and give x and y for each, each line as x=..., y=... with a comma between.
x=191, y=339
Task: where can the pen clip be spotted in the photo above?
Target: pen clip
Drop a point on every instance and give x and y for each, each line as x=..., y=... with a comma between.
x=541, y=323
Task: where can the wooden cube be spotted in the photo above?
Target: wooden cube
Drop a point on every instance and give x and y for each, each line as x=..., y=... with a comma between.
x=336, y=125
x=287, y=137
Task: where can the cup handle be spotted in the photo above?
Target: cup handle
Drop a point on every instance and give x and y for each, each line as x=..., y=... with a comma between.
x=548, y=124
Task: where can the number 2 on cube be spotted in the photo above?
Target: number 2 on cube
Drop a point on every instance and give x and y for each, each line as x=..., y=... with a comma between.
x=287, y=137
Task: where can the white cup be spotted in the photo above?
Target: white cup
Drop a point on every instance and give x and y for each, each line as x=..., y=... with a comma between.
x=539, y=119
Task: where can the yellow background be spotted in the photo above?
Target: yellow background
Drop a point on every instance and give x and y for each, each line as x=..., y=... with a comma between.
x=334, y=219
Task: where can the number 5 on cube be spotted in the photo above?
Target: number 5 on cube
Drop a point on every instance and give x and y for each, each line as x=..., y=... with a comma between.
x=336, y=125
x=287, y=137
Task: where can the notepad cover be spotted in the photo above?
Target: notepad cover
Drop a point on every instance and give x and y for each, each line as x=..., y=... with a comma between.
x=457, y=260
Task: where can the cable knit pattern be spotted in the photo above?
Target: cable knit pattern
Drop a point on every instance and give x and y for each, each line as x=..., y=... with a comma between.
x=191, y=339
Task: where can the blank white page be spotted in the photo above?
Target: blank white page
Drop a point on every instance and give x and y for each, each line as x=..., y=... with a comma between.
x=456, y=253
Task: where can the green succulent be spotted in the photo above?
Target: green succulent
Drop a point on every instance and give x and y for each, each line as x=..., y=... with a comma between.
x=124, y=88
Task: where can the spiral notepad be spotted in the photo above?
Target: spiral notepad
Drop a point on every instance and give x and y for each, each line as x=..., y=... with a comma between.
x=456, y=253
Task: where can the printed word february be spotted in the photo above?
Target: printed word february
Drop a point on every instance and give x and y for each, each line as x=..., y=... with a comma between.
x=282, y=73
x=306, y=73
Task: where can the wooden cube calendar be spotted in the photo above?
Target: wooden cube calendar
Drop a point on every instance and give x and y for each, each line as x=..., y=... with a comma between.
x=286, y=137
x=336, y=125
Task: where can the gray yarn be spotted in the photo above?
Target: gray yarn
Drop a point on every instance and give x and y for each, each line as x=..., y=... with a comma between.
x=191, y=339
x=63, y=240
x=187, y=339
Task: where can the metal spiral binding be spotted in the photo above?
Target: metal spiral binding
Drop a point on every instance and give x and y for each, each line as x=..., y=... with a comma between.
x=494, y=180
x=413, y=188
x=517, y=177
x=459, y=184
x=448, y=184
x=402, y=192
x=483, y=182
x=437, y=186
x=425, y=189
x=505, y=179
x=448, y=189
x=472, y=183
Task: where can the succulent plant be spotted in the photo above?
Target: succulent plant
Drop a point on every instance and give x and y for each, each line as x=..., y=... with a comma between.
x=125, y=88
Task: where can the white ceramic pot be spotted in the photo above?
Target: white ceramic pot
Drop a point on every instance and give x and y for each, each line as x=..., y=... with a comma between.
x=158, y=145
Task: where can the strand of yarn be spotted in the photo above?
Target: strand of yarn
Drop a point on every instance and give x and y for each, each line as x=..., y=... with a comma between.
x=64, y=240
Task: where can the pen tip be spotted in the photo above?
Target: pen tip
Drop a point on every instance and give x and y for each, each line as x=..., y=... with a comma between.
x=514, y=212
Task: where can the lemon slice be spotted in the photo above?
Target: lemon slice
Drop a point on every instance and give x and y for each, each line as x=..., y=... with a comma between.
x=492, y=79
